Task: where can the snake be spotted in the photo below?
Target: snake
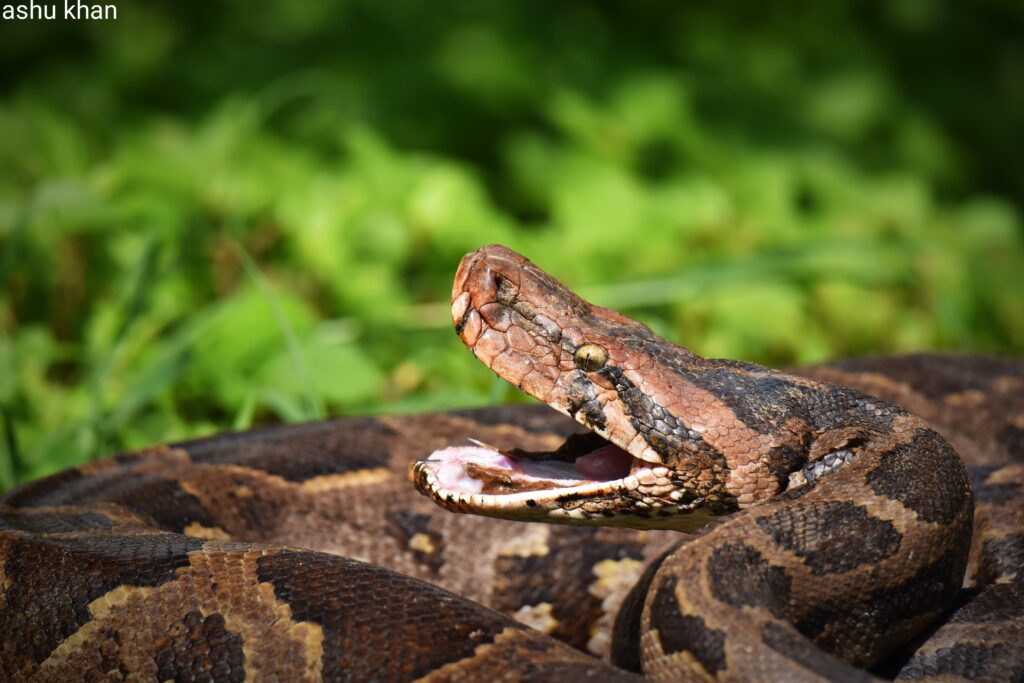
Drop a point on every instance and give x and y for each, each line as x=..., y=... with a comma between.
x=702, y=519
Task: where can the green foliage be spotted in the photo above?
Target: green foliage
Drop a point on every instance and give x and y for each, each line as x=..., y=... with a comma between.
x=219, y=216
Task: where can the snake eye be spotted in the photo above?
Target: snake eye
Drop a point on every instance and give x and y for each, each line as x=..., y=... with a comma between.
x=590, y=357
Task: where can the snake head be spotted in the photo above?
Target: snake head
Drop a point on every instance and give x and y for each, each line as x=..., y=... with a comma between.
x=677, y=437
x=603, y=369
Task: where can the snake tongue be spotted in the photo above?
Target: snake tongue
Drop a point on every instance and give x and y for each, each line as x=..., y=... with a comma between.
x=606, y=463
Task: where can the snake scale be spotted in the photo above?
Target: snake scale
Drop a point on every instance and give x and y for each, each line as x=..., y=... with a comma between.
x=711, y=519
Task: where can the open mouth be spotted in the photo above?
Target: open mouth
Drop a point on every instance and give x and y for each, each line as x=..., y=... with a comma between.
x=480, y=470
x=587, y=480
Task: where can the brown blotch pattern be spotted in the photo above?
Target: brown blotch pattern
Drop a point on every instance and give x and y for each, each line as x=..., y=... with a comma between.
x=533, y=579
x=78, y=591
x=399, y=630
x=1002, y=560
x=981, y=640
x=200, y=648
x=68, y=574
x=680, y=632
x=165, y=501
x=832, y=537
x=412, y=531
x=926, y=476
x=47, y=522
x=997, y=662
x=739, y=576
x=301, y=452
x=802, y=652
x=853, y=636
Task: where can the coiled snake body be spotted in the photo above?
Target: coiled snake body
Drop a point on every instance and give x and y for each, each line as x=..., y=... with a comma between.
x=836, y=530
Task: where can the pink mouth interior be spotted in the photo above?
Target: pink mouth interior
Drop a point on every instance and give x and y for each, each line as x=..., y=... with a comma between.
x=607, y=462
x=451, y=467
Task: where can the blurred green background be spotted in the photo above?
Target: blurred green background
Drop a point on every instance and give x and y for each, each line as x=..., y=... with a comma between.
x=214, y=215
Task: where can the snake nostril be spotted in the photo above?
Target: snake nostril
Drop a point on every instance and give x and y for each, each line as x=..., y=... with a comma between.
x=506, y=291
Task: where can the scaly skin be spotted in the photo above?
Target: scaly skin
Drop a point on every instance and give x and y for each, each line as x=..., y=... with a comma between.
x=856, y=515
x=300, y=552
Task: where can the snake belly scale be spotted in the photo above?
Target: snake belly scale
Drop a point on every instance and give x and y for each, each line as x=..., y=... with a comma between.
x=705, y=520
